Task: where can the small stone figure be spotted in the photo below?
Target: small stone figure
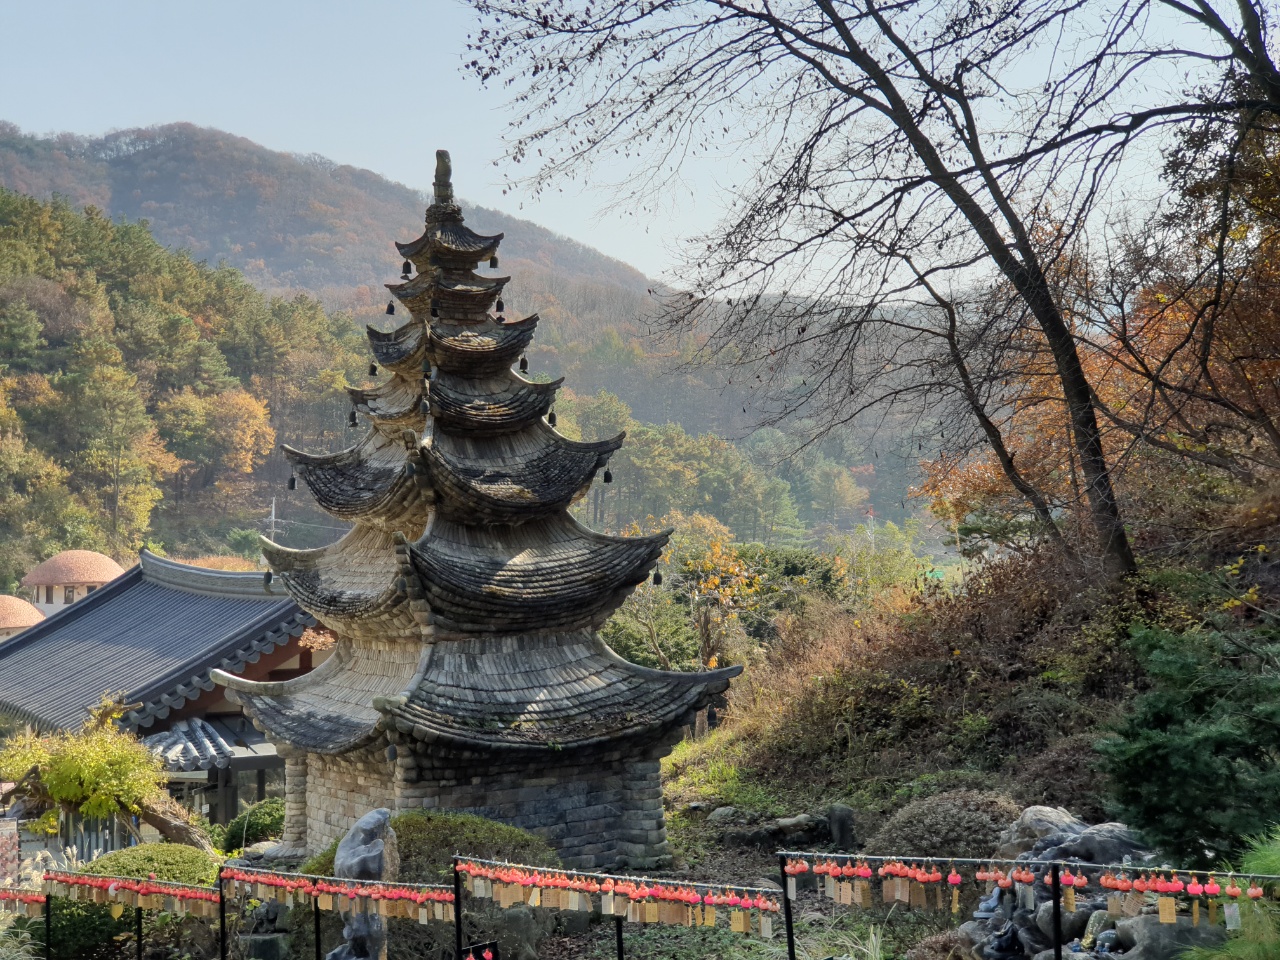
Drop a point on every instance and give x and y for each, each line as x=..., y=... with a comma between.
x=989, y=906
x=368, y=852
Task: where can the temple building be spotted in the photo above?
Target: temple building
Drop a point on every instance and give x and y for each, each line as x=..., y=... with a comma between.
x=468, y=674
x=150, y=637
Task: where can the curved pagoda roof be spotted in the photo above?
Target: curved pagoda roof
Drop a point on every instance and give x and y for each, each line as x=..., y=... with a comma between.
x=401, y=349
x=466, y=598
x=371, y=481
x=511, y=478
x=517, y=692
x=544, y=574
x=484, y=349
x=490, y=406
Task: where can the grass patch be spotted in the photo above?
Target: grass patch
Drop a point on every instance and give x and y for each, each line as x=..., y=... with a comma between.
x=711, y=770
x=818, y=934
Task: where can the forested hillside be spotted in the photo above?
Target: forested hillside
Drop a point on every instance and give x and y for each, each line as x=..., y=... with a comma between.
x=143, y=395
x=295, y=224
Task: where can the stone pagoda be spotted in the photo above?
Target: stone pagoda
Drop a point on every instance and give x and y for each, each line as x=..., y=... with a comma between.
x=468, y=674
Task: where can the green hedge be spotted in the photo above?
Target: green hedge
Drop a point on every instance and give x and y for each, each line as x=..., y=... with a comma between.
x=168, y=861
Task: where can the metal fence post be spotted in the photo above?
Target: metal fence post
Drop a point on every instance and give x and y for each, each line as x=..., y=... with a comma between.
x=48, y=925
x=457, y=911
x=137, y=930
x=315, y=923
x=617, y=931
x=222, y=918
x=1057, y=912
x=786, y=908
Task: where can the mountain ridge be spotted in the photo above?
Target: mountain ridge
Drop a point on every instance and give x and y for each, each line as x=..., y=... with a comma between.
x=224, y=197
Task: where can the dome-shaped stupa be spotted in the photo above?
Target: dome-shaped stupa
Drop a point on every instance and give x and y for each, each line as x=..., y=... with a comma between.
x=16, y=615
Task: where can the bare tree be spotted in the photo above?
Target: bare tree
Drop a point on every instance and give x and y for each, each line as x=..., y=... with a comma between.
x=907, y=156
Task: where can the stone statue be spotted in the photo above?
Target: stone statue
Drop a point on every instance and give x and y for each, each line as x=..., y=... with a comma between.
x=368, y=852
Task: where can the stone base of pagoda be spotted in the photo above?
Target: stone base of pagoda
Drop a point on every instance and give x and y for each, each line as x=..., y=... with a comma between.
x=597, y=811
x=597, y=808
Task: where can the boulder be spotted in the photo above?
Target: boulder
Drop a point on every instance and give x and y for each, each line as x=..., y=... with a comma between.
x=1105, y=843
x=1033, y=940
x=798, y=831
x=840, y=823
x=1146, y=938
x=721, y=815
x=803, y=828
x=1073, y=923
x=517, y=932
x=1033, y=824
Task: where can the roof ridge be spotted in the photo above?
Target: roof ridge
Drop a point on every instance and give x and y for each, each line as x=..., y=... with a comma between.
x=219, y=583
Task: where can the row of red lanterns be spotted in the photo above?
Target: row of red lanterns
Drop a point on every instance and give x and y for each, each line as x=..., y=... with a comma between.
x=1146, y=882
x=22, y=896
x=143, y=888
x=308, y=886
x=1159, y=883
x=636, y=890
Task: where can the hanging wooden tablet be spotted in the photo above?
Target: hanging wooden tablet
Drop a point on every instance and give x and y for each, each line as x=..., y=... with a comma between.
x=1195, y=913
x=902, y=890
x=844, y=893
x=1069, y=899
x=955, y=899
x=535, y=896
x=862, y=893
x=709, y=916
x=1132, y=904
x=830, y=888
x=791, y=888
x=1213, y=913
x=1167, y=908
x=650, y=913
x=1231, y=913
x=766, y=926
x=916, y=893
x=1113, y=906
x=736, y=918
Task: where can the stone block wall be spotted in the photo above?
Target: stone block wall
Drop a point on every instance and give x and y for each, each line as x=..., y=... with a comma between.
x=340, y=790
x=597, y=810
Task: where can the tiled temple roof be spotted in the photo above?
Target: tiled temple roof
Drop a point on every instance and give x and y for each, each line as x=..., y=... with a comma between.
x=354, y=586
x=450, y=237
x=330, y=709
x=468, y=296
x=154, y=634
x=396, y=403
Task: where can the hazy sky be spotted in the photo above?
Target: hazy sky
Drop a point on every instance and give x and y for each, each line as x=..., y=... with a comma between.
x=371, y=83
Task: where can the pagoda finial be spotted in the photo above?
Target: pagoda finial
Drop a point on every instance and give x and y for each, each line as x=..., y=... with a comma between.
x=444, y=178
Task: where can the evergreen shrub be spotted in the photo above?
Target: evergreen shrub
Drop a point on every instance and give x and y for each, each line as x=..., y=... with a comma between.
x=962, y=823
x=262, y=821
